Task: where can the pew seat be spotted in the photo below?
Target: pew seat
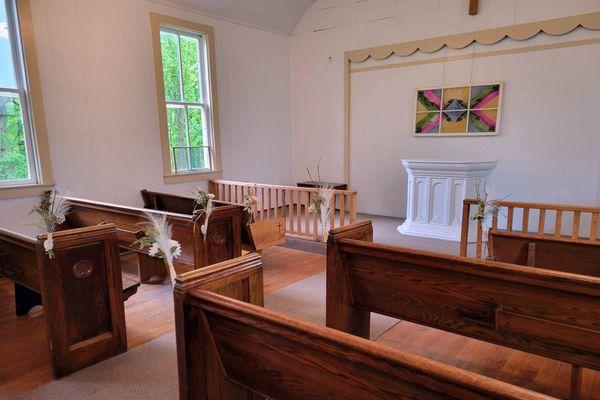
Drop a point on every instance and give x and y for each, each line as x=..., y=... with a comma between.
x=229, y=347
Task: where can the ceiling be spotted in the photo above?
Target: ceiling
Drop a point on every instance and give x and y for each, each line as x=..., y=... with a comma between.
x=274, y=15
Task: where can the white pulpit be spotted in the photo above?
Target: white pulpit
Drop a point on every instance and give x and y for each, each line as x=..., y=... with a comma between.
x=436, y=190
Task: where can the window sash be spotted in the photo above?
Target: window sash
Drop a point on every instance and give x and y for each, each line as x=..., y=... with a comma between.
x=19, y=70
x=204, y=96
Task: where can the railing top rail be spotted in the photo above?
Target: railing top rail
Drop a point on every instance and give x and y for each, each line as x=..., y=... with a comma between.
x=282, y=187
x=542, y=206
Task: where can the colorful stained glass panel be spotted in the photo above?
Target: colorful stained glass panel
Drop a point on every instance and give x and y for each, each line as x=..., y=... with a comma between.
x=456, y=98
x=486, y=96
x=483, y=120
x=428, y=122
x=429, y=100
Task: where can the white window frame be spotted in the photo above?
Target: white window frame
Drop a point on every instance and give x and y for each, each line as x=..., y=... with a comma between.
x=205, y=96
x=22, y=91
x=208, y=74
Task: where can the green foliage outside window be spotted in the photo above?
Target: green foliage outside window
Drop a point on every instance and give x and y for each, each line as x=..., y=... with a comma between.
x=185, y=120
x=13, y=151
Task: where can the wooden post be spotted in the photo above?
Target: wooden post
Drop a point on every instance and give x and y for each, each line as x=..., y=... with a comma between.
x=542, y=222
x=473, y=7
x=576, y=379
x=464, y=230
x=558, y=226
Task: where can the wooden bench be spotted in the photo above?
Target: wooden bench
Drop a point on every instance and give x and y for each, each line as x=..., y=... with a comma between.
x=265, y=233
x=540, y=247
x=82, y=291
x=548, y=313
x=223, y=239
x=229, y=349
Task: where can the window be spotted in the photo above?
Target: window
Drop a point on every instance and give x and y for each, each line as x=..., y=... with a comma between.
x=18, y=163
x=186, y=97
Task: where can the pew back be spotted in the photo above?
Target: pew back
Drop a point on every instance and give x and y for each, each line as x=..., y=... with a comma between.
x=545, y=312
x=242, y=351
x=545, y=252
x=172, y=202
x=222, y=242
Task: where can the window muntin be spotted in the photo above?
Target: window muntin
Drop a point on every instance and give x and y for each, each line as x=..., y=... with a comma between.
x=187, y=98
x=18, y=164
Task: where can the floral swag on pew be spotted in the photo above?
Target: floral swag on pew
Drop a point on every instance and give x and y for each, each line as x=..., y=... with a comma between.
x=203, y=205
x=157, y=237
x=52, y=211
x=249, y=205
x=486, y=207
x=320, y=202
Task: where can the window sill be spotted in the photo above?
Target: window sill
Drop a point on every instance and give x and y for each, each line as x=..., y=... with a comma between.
x=11, y=192
x=192, y=176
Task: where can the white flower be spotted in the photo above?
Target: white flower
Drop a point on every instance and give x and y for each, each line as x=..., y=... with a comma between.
x=203, y=229
x=49, y=243
x=60, y=218
x=311, y=209
x=154, y=250
x=211, y=196
x=175, y=248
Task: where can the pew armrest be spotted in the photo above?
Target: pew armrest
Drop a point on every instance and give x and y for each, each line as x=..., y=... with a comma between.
x=240, y=278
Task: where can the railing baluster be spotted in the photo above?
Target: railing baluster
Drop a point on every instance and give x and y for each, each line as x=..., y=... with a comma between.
x=291, y=209
x=594, y=227
x=237, y=199
x=558, y=224
x=262, y=204
x=332, y=214
x=299, y=212
x=342, y=210
x=479, y=239
x=525, y=224
x=306, y=214
x=509, y=219
x=352, y=208
x=542, y=222
x=576, y=221
x=269, y=203
x=495, y=220
x=315, y=226
x=276, y=211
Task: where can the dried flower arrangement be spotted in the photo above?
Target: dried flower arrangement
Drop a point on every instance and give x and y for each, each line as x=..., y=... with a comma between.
x=203, y=205
x=485, y=207
x=52, y=210
x=320, y=202
x=249, y=204
x=157, y=236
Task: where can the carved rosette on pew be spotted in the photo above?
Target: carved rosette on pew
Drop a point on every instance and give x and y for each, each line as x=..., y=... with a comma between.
x=82, y=292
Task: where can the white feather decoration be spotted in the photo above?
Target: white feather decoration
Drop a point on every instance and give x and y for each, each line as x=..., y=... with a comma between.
x=163, y=246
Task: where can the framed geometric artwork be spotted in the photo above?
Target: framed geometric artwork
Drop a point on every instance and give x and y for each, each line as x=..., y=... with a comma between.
x=459, y=110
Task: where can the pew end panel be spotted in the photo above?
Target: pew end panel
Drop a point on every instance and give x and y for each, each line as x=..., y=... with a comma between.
x=82, y=292
x=223, y=239
x=340, y=311
x=240, y=278
x=241, y=351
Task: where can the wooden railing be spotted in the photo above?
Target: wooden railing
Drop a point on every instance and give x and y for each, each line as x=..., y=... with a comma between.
x=568, y=222
x=291, y=202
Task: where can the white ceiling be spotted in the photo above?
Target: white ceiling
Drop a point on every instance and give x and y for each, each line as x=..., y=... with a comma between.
x=274, y=15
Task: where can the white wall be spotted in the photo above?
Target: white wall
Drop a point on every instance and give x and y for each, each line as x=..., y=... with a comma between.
x=97, y=73
x=544, y=154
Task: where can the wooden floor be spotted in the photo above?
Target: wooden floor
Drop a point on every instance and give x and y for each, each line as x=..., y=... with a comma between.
x=149, y=315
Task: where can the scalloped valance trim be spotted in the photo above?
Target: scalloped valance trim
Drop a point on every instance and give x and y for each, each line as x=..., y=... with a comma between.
x=554, y=27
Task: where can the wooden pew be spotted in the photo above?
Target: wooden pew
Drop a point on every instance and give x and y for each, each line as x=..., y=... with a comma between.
x=81, y=290
x=228, y=349
x=265, y=232
x=539, y=246
x=186, y=205
x=549, y=313
x=223, y=241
